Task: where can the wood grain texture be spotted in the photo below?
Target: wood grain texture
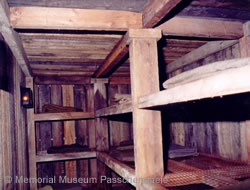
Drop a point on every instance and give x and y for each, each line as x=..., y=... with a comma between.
x=123, y=5
x=156, y=10
x=113, y=59
x=199, y=53
x=61, y=80
x=114, y=110
x=31, y=139
x=200, y=27
x=143, y=57
x=12, y=38
x=91, y=129
x=204, y=72
x=122, y=169
x=44, y=157
x=66, y=18
x=69, y=129
x=63, y=116
x=227, y=82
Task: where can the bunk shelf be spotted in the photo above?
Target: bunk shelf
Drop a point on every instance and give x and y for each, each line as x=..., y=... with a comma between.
x=119, y=167
x=230, y=81
x=63, y=116
x=115, y=110
x=45, y=157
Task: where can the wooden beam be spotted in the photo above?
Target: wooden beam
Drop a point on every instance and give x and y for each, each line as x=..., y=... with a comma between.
x=63, y=116
x=114, y=110
x=45, y=157
x=245, y=41
x=156, y=10
x=119, y=80
x=102, y=131
x=31, y=138
x=144, y=60
x=120, y=168
x=231, y=81
x=114, y=57
x=199, y=53
x=151, y=15
x=61, y=80
x=74, y=19
x=201, y=27
x=12, y=39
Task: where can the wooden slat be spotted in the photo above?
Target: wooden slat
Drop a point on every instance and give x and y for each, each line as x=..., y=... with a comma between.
x=63, y=116
x=75, y=19
x=227, y=82
x=144, y=60
x=200, y=53
x=62, y=80
x=156, y=10
x=201, y=27
x=122, y=5
x=120, y=168
x=45, y=157
x=115, y=110
x=12, y=38
x=115, y=56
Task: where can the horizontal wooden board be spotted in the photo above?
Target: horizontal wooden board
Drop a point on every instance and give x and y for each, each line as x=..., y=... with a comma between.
x=115, y=110
x=74, y=19
x=45, y=157
x=225, y=83
x=124, y=5
x=63, y=116
x=201, y=27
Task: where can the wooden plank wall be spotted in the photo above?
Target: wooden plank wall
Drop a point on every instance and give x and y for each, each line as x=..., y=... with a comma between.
x=226, y=139
x=13, y=141
x=120, y=130
x=64, y=132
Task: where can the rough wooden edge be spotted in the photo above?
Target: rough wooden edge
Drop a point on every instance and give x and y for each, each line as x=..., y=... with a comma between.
x=12, y=39
x=228, y=82
x=63, y=116
x=45, y=157
x=113, y=58
x=122, y=169
x=199, y=53
x=31, y=139
x=115, y=110
x=156, y=10
x=202, y=27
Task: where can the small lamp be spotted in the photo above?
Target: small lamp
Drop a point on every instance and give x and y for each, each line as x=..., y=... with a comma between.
x=26, y=98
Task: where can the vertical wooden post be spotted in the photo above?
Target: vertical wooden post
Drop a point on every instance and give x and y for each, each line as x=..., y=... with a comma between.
x=147, y=124
x=69, y=129
x=91, y=129
x=102, y=140
x=245, y=52
x=31, y=139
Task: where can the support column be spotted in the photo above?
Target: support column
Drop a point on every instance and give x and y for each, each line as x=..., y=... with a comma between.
x=146, y=123
x=102, y=139
x=245, y=52
x=31, y=138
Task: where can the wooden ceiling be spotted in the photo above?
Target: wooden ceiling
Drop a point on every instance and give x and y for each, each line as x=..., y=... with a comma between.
x=62, y=51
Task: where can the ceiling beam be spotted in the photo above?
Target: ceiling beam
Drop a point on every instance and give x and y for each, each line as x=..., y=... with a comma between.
x=73, y=19
x=156, y=10
x=202, y=27
x=114, y=57
x=151, y=15
x=12, y=39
